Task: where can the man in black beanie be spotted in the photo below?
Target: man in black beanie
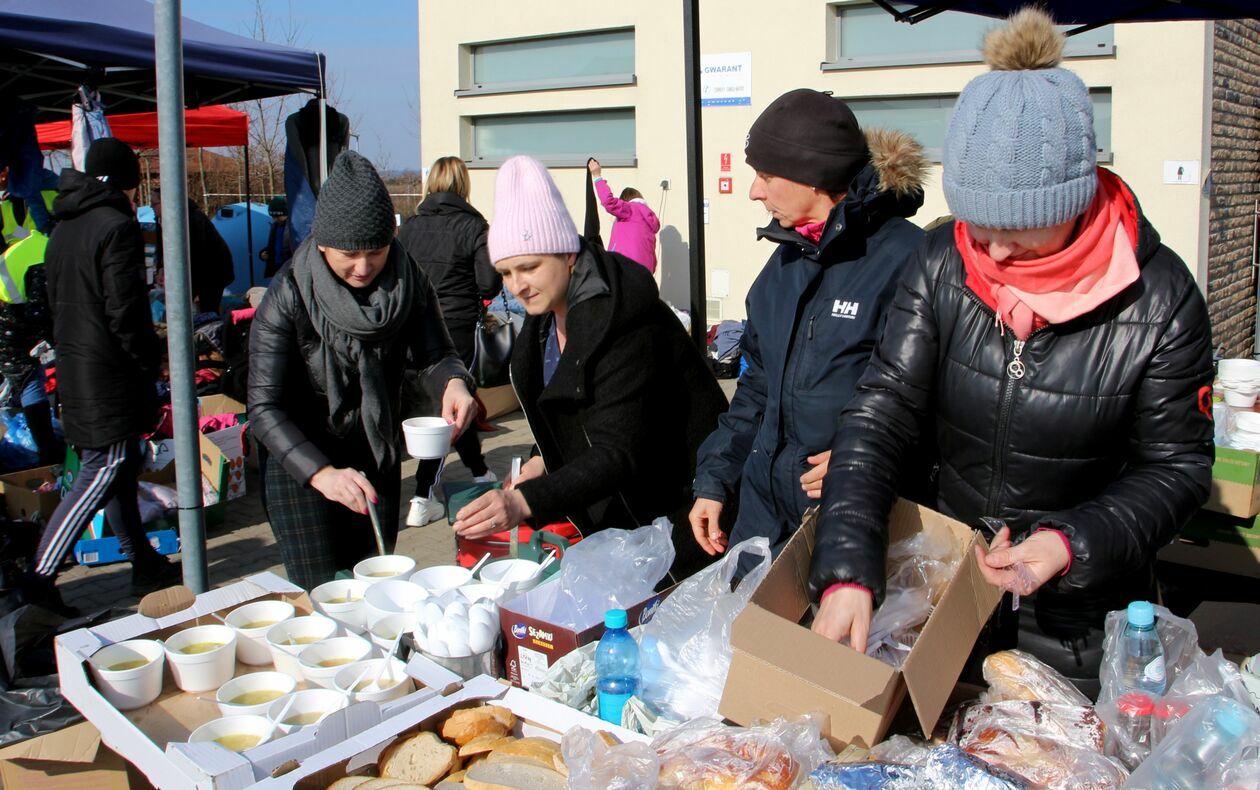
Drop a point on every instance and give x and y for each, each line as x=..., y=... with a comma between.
x=107, y=362
x=838, y=199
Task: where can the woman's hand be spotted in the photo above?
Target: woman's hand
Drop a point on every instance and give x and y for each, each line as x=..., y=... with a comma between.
x=812, y=481
x=531, y=469
x=1043, y=555
x=846, y=612
x=593, y=166
x=493, y=511
x=346, y=487
x=704, y=517
x=459, y=408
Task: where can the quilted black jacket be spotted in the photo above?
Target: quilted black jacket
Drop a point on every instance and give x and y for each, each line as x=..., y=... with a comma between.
x=1107, y=436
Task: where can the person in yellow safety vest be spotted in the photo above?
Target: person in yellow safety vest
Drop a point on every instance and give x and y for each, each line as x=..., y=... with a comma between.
x=18, y=223
x=25, y=322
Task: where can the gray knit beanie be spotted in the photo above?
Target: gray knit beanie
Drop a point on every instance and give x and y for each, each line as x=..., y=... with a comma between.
x=1020, y=149
x=354, y=211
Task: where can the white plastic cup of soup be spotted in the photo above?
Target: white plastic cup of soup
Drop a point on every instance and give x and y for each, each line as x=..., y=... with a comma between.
x=309, y=707
x=438, y=579
x=394, y=681
x=129, y=673
x=395, y=596
x=287, y=639
x=427, y=437
x=522, y=575
x=252, y=694
x=235, y=733
x=202, y=658
x=342, y=600
x=252, y=622
x=321, y=661
x=385, y=630
x=387, y=566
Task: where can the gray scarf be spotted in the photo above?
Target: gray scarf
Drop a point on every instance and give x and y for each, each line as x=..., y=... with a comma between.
x=355, y=339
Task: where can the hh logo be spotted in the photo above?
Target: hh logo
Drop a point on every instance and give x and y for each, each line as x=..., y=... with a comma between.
x=843, y=309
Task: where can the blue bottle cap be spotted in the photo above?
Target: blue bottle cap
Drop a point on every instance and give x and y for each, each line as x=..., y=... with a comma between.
x=1141, y=614
x=1231, y=721
x=616, y=618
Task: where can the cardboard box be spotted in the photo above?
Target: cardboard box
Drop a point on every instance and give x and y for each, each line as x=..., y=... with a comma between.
x=359, y=753
x=223, y=461
x=22, y=501
x=534, y=643
x=498, y=400
x=1218, y=542
x=153, y=738
x=1235, y=483
x=210, y=405
x=781, y=668
x=69, y=759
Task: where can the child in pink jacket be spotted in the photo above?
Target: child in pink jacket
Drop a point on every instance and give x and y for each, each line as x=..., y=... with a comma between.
x=634, y=232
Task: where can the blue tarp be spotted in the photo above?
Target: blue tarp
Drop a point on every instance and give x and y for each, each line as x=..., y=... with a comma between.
x=230, y=222
x=113, y=42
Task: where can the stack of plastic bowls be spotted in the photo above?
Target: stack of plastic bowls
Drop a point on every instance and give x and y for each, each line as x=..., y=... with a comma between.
x=1239, y=380
x=1245, y=434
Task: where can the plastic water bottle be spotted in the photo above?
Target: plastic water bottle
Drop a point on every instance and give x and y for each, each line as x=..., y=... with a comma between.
x=616, y=666
x=1142, y=659
x=1199, y=751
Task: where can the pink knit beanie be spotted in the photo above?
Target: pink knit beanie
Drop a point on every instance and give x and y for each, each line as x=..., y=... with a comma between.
x=529, y=214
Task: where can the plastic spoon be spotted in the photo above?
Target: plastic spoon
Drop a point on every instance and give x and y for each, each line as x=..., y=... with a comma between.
x=349, y=692
x=276, y=721
x=480, y=562
x=550, y=559
x=388, y=660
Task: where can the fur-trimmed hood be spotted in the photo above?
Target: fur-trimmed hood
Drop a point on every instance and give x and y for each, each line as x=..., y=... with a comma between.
x=892, y=184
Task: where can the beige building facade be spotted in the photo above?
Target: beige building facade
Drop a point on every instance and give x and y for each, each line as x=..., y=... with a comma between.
x=563, y=80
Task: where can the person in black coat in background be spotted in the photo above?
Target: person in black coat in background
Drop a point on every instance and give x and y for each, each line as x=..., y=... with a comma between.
x=617, y=397
x=210, y=267
x=447, y=237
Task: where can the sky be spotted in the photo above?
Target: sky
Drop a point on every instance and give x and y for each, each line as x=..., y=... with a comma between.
x=371, y=51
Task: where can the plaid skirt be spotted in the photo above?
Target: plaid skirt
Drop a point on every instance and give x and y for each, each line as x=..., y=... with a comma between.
x=318, y=537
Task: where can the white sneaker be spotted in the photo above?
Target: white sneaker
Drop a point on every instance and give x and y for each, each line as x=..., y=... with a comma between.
x=424, y=511
x=488, y=477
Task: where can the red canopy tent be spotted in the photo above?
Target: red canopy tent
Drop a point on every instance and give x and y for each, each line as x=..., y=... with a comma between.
x=207, y=127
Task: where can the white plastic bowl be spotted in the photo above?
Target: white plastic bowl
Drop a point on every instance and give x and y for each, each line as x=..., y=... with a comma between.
x=251, y=643
x=232, y=725
x=522, y=575
x=385, y=630
x=343, y=649
x=128, y=689
x=1238, y=370
x=482, y=592
x=318, y=701
x=255, y=681
x=438, y=579
x=283, y=641
x=391, y=566
x=427, y=437
x=395, y=596
x=394, y=683
x=350, y=614
x=202, y=671
x=1240, y=399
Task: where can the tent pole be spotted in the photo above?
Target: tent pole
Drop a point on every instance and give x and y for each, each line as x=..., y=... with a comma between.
x=179, y=338
x=323, y=140
x=695, y=173
x=249, y=218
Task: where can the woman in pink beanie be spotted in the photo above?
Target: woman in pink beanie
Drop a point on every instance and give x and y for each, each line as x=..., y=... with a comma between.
x=615, y=393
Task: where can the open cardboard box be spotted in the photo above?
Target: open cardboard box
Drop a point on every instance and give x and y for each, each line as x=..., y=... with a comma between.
x=69, y=759
x=153, y=738
x=358, y=753
x=22, y=499
x=1235, y=483
x=781, y=668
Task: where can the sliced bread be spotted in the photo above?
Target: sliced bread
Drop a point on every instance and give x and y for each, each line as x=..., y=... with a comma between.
x=538, y=751
x=349, y=782
x=512, y=775
x=422, y=759
x=465, y=725
x=487, y=742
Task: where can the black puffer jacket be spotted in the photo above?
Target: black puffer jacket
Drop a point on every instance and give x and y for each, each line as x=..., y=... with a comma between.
x=447, y=237
x=1107, y=437
x=107, y=351
x=628, y=405
x=24, y=325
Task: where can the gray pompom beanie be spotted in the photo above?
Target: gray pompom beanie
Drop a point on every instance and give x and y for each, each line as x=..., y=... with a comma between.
x=354, y=211
x=1020, y=149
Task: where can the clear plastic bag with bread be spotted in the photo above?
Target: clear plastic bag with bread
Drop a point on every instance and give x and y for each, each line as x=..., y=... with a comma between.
x=1016, y=675
x=919, y=569
x=705, y=754
x=596, y=763
x=685, y=650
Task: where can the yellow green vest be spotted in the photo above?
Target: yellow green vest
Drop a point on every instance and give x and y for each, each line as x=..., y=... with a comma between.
x=16, y=261
x=13, y=231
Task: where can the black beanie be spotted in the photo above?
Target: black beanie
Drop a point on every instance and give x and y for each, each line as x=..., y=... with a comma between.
x=113, y=161
x=353, y=211
x=808, y=137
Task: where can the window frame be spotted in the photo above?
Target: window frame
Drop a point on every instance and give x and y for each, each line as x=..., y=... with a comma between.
x=468, y=142
x=467, y=54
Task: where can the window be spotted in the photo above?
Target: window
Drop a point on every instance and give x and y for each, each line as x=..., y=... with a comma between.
x=579, y=60
x=926, y=118
x=865, y=35
x=564, y=139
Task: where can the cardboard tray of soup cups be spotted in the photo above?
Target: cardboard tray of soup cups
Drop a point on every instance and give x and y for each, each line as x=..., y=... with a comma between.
x=154, y=737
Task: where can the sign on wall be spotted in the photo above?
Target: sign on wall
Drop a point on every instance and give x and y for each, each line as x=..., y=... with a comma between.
x=726, y=79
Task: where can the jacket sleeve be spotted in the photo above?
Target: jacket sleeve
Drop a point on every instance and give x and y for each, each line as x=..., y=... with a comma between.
x=1170, y=452
x=127, y=298
x=489, y=281
x=432, y=353
x=272, y=346
x=876, y=429
x=720, y=459
x=653, y=221
x=615, y=206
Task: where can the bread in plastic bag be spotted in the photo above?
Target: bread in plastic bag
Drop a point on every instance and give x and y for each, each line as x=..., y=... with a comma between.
x=595, y=765
x=945, y=766
x=685, y=652
x=919, y=570
x=1178, y=636
x=705, y=753
x=1016, y=675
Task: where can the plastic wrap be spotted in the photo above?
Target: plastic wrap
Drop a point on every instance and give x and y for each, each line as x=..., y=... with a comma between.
x=594, y=765
x=772, y=756
x=571, y=680
x=612, y=569
x=944, y=767
x=919, y=569
x=1129, y=720
x=1178, y=636
x=900, y=749
x=1202, y=749
x=685, y=651
x=1016, y=675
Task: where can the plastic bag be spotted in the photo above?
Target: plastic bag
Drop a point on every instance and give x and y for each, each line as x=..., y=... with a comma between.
x=17, y=446
x=900, y=749
x=594, y=765
x=1206, y=745
x=1206, y=677
x=1016, y=675
x=685, y=651
x=1178, y=636
x=571, y=680
x=707, y=753
x=919, y=569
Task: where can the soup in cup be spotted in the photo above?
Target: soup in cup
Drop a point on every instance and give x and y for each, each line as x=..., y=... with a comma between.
x=203, y=657
x=289, y=638
x=393, y=683
x=342, y=600
x=309, y=708
x=129, y=674
x=252, y=694
x=252, y=622
x=388, y=566
x=321, y=662
x=234, y=733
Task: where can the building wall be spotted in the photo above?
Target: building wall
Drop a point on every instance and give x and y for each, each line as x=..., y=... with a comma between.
x=1160, y=95
x=1231, y=281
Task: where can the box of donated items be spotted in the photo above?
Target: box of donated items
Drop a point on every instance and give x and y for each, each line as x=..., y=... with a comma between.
x=149, y=719
x=781, y=668
x=1235, y=483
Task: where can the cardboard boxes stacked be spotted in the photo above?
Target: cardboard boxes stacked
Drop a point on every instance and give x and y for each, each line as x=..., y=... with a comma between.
x=1224, y=535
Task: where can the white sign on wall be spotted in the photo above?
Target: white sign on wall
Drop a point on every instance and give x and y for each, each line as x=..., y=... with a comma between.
x=726, y=79
x=1181, y=171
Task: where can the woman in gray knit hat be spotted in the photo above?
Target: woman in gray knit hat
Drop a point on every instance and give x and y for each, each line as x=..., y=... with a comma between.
x=1060, y=356
x=329, y=346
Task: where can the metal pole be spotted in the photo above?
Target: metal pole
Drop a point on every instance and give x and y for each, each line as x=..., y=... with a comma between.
x=323, y=142
x=695, y=172
x=170, y=84
x=249, y=218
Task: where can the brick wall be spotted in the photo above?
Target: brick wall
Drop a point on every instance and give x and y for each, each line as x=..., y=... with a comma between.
x=1235, y=185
